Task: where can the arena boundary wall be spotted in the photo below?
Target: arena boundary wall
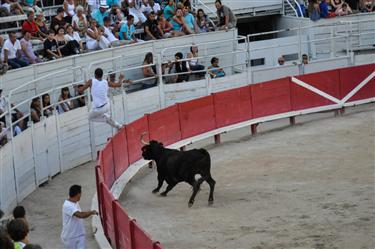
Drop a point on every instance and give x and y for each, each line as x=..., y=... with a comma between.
x=185, y=123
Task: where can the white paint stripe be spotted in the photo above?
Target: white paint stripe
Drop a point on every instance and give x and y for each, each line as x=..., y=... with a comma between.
x=360, y=102
x=315, y=90
x=357, y=88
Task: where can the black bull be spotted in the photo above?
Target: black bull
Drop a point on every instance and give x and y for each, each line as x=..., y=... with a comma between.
x=175, y=166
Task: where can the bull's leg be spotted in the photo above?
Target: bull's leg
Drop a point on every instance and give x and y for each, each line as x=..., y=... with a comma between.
x=196, y=188
x=160, y=183
x=212, y=183
x=169, y=188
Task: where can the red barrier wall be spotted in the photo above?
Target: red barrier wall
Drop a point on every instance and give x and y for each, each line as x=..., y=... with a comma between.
x=120, y=152
x=197, y=116
x=109, y=228
x=141, y=238
x=134, y=131
x=232, y=106
x=352, y=77
x=328, y=82
x=122, y=222
x=271, y=97
x=108, y=167
x=99, y=180
x=164, y=125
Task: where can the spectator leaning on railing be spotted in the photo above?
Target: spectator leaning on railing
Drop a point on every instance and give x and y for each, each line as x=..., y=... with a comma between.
x=227, y=19
x=215, y=70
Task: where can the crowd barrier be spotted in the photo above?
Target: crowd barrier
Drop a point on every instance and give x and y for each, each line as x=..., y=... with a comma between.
x=286, y=97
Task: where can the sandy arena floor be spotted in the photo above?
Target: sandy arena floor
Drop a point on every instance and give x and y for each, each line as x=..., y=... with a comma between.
x=308, y=186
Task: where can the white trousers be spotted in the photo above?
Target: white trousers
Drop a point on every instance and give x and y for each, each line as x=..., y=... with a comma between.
x=103, y=114
x=76, y=243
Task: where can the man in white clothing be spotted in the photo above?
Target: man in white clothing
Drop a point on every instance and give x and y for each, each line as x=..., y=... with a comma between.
x=73, y=231
x=100, y=111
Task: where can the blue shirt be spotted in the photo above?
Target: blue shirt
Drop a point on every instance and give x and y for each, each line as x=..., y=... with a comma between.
x=113, y=2
x=189, y=19
x=128, y=32
x=176, y=25
x=99, y=16
x=323, y=9
x=168, y=12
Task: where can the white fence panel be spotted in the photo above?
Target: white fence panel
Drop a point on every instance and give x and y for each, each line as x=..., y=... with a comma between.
x=53, y=155
x=261, y=75
x=8, y=197
x=141, y=102
x=175, y=93
x=75, y=138
x=40, y=143
x=328, y=64
x=229, y=82
x=24, y=163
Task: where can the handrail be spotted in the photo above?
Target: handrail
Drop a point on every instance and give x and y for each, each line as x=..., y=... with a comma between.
x=203, y=43
x=299, y=8
x=295, y=11
x=204, y=5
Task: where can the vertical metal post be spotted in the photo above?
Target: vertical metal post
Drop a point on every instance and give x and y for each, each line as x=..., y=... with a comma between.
x=58, y=132
x=292, y=121
x=254, y=129
x=33, y=150
x=91, y=125
x=161, y=83
x=13, y=149
x=299, y=42
x=331, y=43
x=217, y=138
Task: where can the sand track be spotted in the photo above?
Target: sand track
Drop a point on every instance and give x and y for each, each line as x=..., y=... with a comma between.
x=308, y=186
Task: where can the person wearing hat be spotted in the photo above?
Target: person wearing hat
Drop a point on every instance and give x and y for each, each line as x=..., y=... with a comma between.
x=58, y=20
x=100, y=13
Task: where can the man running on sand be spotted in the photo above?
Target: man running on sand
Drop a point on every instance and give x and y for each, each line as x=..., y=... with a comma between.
x=100, y=111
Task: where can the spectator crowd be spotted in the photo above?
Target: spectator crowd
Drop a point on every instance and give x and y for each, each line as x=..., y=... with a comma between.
x=80, y=26
x=318, y=9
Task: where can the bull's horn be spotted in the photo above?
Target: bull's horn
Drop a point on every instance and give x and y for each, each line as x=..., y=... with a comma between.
x=143, y=141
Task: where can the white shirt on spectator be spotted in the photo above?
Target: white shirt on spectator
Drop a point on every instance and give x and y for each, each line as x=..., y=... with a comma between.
x=6, y=5
x=99, y=92
x=155, y=9
x=138, y=15
x=3, y=103
x=94, y=4
x=12, y=49
x=73, y=226
x=75, y=19
x=72, y=38
x=110, y=36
